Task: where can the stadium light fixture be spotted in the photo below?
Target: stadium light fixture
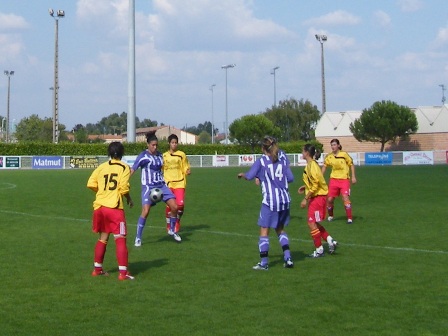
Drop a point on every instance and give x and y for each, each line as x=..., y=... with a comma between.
x=321, y=39
x=226, y=67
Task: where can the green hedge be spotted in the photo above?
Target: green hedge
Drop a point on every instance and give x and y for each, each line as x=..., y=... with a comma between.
x=70, y=148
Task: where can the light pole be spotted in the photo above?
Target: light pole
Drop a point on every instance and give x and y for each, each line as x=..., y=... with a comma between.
x=227, y=110
x=213, y=123
x=9, y=74
x=59, y=14
x=321, y=39
x=443, y=93
x=275, y=89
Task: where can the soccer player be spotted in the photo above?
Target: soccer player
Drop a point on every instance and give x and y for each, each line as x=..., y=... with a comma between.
x=151, y=161
x=315, y=190
x=341, y=164
x=175, y=170
x=110, y=182
x=274, y=175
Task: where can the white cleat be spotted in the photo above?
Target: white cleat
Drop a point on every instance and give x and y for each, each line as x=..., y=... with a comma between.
x=349, y=221
x=330, y=218
x=170, y=232
x=138, y=242
x=177, y=237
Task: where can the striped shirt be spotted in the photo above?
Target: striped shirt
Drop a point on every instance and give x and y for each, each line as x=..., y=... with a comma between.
x=274, y=179
x=151, y=165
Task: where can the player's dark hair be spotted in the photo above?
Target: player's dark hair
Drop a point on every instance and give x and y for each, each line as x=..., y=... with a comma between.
x=116, y=150
x=336, y=141
x=173, y=136
x=314, y=153
x=151, y=136
x=269, y=144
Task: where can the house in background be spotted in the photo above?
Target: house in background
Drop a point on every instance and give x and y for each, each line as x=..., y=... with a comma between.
x=432, y=133
x=162, y=133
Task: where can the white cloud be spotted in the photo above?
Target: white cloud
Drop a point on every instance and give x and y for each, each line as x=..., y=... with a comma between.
x=410, y=5
x=336, y=18
x=382, y=18
x=11, y=21
x=442, y=36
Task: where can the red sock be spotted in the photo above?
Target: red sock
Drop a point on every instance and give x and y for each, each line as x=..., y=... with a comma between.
x=315, y=234
x=330, y=211
x=348, y=210
x=100, y=251
x=122, y=253
x=324, y=234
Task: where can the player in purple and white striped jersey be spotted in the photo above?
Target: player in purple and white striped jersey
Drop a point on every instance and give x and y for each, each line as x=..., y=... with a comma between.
x=151, y=161
x=273, y=172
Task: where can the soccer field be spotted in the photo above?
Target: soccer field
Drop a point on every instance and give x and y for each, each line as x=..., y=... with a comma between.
x=389, y=275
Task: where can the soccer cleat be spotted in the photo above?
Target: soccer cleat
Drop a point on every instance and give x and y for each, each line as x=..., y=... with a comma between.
x=138, y=242
x=126, y=276
x=316, y=254
x=260, y=267
x=349, y=221
x=170, y=232
x=330, y=218
x=332, y=247
x=288, y=263
x=177, y=237
x=99, y=273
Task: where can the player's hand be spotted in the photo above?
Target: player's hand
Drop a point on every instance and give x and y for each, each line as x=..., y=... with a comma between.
x=353, y=180
x=130, y=203
x=257, y=181
x=303, y=203
x=301, y=190
x=240, y=175
x=188, y=172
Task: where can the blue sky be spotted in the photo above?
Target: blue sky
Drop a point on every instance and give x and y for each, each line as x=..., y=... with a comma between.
x=376, y=50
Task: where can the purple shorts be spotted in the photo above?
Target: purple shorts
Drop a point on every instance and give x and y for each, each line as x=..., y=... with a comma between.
x=167, y=194
x=273, y=219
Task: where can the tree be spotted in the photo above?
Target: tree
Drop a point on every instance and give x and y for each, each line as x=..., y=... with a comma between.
x=33, y=128
x=206, y=126
x=383, y=122
x=296, y=119
x=250, y=129
x=204, y=137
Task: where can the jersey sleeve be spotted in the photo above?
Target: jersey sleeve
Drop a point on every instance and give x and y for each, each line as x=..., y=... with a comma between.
x=92, y=183
x=254, y=170
x=348, y=159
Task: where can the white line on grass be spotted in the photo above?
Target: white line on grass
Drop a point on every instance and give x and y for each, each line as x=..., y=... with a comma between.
x=234, y=234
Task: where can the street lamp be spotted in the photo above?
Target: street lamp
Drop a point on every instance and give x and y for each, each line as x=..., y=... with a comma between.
x=321, y=39
x=275, y=90
x=227, y=112
x=443, y=93
x=213, y=123
x=59, y=14
x=9, y=74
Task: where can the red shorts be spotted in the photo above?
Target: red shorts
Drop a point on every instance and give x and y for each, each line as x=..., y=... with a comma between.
x=316, y=209
x=338, y=187
x=109, y=220
x=180, y=195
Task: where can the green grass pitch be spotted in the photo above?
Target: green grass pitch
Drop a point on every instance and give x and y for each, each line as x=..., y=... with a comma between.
x=389, y=275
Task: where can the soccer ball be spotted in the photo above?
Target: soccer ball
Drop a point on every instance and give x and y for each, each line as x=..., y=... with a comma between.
x=156, y=195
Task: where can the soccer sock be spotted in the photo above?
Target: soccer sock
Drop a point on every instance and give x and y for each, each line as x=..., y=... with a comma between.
x=173, y=223
x=323, y=233
x=180, y=212
x=100, y=251
x=140, y=226
x=263, y=246
x=284, y=243
x=316, y=235
x=167, y=217
x=122, y=254
x=330, y=210
x=348, y=210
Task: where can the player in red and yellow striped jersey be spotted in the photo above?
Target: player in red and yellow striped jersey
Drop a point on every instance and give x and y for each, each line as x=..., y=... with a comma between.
x=110, y=182
x=175, y=170
x=341, y=165
x=315, y=190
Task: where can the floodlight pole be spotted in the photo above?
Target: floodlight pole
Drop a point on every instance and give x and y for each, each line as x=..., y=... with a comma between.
x=213, y=123
x=59, y=14
x=225, y=67
x=321, y=39
x=8, y=74
x=275, y=89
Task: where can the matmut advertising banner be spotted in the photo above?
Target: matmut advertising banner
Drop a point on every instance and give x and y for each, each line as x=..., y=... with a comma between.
x=379, y=158
x=47, y=162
